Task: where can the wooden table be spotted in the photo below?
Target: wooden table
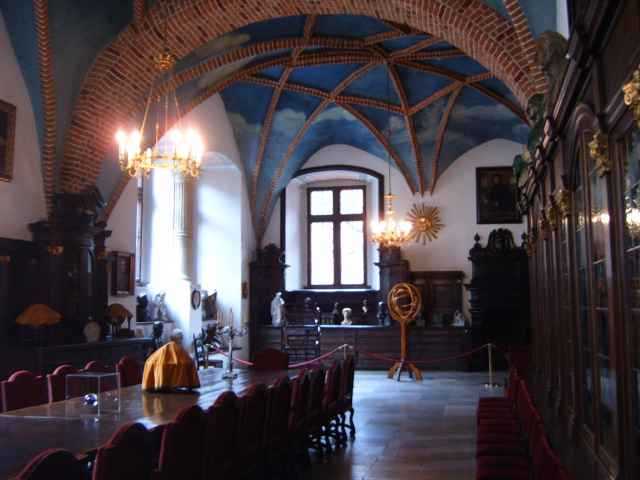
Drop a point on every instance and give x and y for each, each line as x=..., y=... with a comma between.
x=26, y=432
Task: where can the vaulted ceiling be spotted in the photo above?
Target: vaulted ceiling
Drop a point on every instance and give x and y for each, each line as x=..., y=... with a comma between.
x=291, y=84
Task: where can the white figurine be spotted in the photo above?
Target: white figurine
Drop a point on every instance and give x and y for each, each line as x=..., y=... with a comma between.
x=277, y=310
x=458, y=319
x=346, y=316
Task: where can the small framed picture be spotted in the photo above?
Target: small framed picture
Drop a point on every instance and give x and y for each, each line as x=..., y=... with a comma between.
x=496, y=196
x=196, y=299
x=7, y=140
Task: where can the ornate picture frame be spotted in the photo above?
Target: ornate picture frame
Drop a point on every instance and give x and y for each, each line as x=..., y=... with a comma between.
x=496, y=196
x=7, y=140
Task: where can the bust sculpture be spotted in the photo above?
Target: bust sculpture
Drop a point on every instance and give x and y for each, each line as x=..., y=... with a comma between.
x=346, y=316
x=277, y=310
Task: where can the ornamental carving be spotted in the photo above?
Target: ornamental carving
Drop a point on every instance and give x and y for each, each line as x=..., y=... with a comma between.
x=599, y=151
x=425, y=222
x=553, y=214
x=562, y=199
x=632, y=95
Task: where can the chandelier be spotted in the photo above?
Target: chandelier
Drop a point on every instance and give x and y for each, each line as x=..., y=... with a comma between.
x=390, y=232
x=177, y=150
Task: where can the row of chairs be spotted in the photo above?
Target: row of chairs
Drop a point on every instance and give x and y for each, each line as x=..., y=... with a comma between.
x=268, y=431
x=511, y=440
x=25, y=389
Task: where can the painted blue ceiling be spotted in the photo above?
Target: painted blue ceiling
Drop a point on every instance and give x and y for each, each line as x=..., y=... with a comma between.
x=80, y=30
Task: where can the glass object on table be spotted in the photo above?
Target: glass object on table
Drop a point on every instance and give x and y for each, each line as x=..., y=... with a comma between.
x=95, y=393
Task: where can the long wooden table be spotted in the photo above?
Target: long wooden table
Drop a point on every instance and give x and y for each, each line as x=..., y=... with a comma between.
x=26, y=432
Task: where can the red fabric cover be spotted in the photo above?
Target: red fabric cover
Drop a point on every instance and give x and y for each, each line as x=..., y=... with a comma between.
x=130, y=371
x=127, y=455
x=182, y=447
x=271, y=359
x=519, y=360
x=299, y=403
x=51, y=464
x=331, y=390
x=490, y=461
x=220, y=436
x=314, y=419
x=345, y=395
x=279, y=402
x=499, y=428
x=251, y=425
x=56, y=384
x=499, y=473
x=23, y=389
x=513, y=449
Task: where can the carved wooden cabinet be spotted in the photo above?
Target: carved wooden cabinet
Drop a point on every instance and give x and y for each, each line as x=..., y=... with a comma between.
x=499, y=291
x=441, y=295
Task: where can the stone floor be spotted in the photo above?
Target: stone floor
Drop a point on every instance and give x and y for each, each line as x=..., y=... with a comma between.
x=410, y=430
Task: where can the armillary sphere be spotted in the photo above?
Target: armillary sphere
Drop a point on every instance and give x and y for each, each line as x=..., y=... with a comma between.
x=405, y=302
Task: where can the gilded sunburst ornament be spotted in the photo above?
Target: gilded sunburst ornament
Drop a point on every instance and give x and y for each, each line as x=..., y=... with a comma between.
x=426, y=222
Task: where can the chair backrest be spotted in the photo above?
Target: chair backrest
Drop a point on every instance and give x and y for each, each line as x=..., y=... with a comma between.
x=316, y=395
x=279, y=406
x=253, y=416
x=182, y=447
x=126, y=455
x=53, y=463
x=271, y=359
x=56, y=382
x=220, y=434
x=130, y=371
x=98, y=367
x=348, y=377
x=23, y=389
x=299, y=402
x=332, y=386
x=512, y=384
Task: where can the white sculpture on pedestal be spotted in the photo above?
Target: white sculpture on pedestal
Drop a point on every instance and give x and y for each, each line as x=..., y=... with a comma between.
x=346, y=316
x=277, y=310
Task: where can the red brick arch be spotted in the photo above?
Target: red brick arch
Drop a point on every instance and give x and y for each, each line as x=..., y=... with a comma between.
x=117, y=83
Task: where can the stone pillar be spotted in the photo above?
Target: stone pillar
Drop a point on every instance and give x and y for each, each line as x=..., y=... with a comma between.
x=183, y=206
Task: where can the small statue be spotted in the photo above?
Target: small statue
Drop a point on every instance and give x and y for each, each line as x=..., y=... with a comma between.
x=346, y=316
x=308, y=304
x=458, y=319
x=551, y=51
x=161, y=307
x=142, y=304
x=335, y=314
x=277, y=310
x=383, y=313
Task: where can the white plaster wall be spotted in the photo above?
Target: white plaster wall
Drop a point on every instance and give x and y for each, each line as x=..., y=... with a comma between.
x=223, y=238
x=455, y=195
x=22, y=199
x=122, y=224
x=562, y=18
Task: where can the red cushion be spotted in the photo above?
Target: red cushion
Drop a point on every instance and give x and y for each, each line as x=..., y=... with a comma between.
x=501, y=461
x=507, y=473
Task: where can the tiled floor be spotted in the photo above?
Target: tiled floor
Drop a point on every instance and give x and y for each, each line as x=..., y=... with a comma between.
x=410, y=430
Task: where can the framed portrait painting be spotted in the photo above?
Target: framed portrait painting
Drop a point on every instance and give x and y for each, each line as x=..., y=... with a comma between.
x=7, y=140
x=496, y=196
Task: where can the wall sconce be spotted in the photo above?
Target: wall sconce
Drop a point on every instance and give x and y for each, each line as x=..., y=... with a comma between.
x=599, y=151
x=632, y=95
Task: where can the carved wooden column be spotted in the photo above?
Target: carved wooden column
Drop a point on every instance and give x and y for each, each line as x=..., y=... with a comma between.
x=393, y=269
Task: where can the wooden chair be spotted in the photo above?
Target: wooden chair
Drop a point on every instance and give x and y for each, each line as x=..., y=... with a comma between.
x=298, y=417
x=52, y=464
x=314, y=414
x=271, y=359
x=127, y=455
x=332, y=424
x=220, y=436
x=130, y=371
x=23, y=389
x=250, y=440
x=182, y=448
x=56, y=383
x=96, y=366
x=277, y=426
x=345, y=401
